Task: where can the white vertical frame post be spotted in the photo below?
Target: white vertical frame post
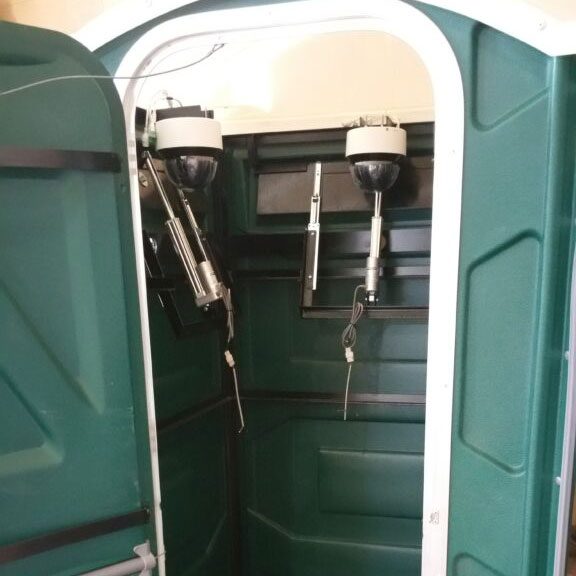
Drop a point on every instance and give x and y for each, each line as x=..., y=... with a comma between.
x=425, y=38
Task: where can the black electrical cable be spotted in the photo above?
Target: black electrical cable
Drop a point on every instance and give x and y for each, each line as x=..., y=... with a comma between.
x=349, y=333
x=348, y=339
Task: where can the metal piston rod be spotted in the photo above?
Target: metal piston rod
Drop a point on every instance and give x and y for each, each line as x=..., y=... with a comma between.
x=211, y=283
x=373, y=260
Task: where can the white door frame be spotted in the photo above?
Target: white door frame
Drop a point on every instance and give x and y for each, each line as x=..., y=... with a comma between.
x=418, y=31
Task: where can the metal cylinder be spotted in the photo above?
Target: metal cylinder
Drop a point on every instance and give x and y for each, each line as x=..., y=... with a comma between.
x=372, y=278
x=212, y=285
x=373, y=261
x=375, y=237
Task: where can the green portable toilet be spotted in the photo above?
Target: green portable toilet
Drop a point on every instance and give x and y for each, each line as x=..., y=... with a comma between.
x=119, y=451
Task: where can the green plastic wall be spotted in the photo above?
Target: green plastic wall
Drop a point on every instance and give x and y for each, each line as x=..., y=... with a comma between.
x=321, y=495
x=518, y=193
x=515, y=253
x=193, y=448
x=314, y=491
x=73, y=432
x=195, y=497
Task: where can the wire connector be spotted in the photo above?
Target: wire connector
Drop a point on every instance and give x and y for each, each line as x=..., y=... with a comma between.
x=230, y=361
x=229, y=358
x=349, y=353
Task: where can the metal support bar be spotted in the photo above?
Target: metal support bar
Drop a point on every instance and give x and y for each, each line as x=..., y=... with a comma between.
x=178, y=236
x=159, y=186
x=142, y=565
x=200, y=240
x=213, y=287
x=184, y=251
x=312, y=240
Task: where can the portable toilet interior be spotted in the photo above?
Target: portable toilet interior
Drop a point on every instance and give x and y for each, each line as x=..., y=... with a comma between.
x=299, y=468
x=118, y=415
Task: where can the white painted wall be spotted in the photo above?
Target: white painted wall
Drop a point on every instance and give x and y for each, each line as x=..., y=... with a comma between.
x=62, y=15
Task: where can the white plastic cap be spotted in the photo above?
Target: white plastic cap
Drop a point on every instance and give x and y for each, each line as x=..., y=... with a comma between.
x=376, y=140
x=188, y=132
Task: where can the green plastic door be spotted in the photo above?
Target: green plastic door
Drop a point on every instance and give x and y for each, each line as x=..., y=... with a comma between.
x=75, y=488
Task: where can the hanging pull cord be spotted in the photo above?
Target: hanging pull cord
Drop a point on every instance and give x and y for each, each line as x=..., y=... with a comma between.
x=227, y=299
x=349, y=340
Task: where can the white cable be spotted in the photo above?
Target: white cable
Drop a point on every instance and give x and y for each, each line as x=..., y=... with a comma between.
x=213, y=50
x=230, y=361
x=227, y=300
x=151, y=115
x=145, y=134
x=238, y=403
x=347, y=388
x=349, y=340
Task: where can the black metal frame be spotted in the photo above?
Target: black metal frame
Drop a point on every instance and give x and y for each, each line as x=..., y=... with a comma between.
x=85, y=160
x=331, y=398
x=401, y=242
x=351, y=245
x=164, y=287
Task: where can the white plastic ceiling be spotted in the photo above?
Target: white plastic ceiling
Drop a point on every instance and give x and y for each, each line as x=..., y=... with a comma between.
x=266, y=92
x=296, y=83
